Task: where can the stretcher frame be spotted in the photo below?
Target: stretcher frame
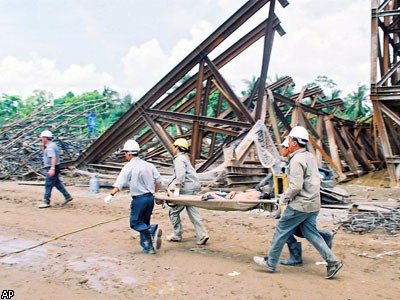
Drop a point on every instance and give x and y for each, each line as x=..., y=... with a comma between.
x=219, y=204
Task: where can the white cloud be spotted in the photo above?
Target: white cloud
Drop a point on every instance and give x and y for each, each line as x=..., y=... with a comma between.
x=22, y=77
x=143, y=65
x=146, y=64
x=331, y=41
x=198, y=33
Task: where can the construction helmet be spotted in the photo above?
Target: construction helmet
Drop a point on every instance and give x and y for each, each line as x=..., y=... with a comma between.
x=300, y=133
x=131, y=146
x=46, y=134
x=285, y=143
x=182, y=143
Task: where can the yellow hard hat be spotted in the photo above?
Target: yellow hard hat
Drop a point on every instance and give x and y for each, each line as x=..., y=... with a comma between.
x=182, y=143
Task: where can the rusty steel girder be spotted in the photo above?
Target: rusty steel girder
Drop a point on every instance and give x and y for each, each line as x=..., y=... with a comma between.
x=178, y=108
x=385, y=79
x=131, y=122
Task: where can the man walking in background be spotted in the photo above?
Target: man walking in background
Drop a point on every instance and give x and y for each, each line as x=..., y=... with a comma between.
x=51, y=159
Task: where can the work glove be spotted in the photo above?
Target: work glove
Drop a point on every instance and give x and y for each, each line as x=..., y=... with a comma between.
x=108, y=198
x=176, y=192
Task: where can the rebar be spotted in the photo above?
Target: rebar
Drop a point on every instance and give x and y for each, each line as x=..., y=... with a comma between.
x=366, y=222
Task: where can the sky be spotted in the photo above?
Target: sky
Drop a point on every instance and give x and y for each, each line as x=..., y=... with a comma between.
x=129, y=45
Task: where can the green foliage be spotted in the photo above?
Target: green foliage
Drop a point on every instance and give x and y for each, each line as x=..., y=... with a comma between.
x=213, y=104
x=327, y=85
x=111, y=106
x=107, y=110
x=356, y=104
x=9, y=107
x=251, y=84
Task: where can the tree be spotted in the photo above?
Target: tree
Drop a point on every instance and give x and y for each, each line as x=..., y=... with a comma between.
x=356, y=104
x=38, y=98
x=9, y=106
x=327, y=85
x=251, y=84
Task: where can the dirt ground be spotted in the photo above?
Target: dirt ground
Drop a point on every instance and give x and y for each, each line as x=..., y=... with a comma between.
x=89, y=252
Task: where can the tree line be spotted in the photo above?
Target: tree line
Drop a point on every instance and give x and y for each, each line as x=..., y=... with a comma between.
x=13, y=107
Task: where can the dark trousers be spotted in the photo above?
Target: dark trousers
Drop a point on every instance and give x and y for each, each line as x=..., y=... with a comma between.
x=141, y=210
x=54, y=181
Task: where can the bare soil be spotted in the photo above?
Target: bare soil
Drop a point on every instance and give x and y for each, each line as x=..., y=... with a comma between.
x=88, y=252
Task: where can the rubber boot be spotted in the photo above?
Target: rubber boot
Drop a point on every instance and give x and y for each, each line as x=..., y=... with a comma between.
x=295, y=258
x=327, y=236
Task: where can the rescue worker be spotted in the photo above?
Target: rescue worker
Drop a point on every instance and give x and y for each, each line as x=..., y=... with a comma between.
x=185, y=181
x=51, y=159
x=91, y=122
x=269, y=178
x=303, y=204
x=144, y=180
x=294, y=247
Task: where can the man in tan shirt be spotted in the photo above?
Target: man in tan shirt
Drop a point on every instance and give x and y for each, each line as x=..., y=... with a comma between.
x=304, y=203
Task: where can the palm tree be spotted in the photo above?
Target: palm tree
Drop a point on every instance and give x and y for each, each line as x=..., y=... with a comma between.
x=356, y=104
x=250, y=85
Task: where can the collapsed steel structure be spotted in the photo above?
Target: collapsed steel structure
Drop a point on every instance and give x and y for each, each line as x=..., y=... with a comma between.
x=174, y=107
x=385, y=79
x=204, y=108
x=20, y=144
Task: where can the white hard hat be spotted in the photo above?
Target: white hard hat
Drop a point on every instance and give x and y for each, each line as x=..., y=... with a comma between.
x=285, y=143
x=131, y=146
x=301, y=133
x=46, y=134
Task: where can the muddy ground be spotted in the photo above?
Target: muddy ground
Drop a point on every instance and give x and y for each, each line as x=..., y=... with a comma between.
x=89, y=252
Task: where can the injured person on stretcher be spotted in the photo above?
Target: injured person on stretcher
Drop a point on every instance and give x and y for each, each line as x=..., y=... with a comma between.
x=233, y=195
x=235, y=200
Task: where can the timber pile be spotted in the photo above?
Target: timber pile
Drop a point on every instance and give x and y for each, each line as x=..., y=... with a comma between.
x=20, y=156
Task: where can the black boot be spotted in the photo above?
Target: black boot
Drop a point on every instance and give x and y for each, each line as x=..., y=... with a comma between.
x=327, y=236
x=295, y=255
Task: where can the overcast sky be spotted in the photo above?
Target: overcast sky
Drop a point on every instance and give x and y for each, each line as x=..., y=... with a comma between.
x=129, y=45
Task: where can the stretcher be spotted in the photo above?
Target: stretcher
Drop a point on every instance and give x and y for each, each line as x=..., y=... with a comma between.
x=221, y=205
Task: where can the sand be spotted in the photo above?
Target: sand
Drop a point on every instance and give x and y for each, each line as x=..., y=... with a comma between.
x=88, y=252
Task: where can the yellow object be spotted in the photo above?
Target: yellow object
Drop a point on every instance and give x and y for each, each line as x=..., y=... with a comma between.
x=283, y=178
x=276, y=177
x=181, y=142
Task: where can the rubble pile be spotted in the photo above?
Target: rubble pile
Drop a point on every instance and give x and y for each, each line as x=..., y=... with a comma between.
x=20, y=153
x=387, y=219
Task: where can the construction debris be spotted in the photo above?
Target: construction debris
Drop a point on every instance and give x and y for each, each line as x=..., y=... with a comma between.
x=358, y=221
x=20, y=156
x=195, y=101
x=379, y=255
x=202, y=107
